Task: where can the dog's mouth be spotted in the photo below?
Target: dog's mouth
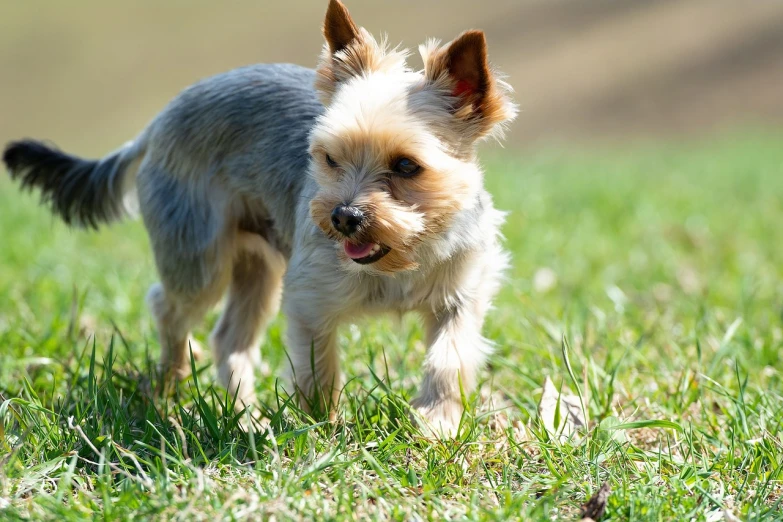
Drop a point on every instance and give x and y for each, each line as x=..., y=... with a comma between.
x=365, y=253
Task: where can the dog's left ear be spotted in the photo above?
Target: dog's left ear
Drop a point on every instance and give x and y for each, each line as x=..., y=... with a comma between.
x=460, y=70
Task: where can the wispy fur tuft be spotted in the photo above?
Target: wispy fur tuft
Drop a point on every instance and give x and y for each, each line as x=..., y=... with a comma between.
x=351, y=51
x=82, y=192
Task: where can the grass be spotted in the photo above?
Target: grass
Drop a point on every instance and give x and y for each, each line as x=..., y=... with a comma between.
x=661, y=265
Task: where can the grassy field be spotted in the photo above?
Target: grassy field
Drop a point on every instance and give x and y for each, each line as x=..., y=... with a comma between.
x=661, y=265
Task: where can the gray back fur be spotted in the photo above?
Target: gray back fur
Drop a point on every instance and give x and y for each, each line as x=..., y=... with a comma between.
x=238, y=137
x=242, y=135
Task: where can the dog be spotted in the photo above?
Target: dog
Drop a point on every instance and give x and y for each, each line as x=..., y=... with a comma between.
x=349, y=190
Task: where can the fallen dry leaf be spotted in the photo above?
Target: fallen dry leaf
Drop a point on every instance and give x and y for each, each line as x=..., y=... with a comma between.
x=560, y=411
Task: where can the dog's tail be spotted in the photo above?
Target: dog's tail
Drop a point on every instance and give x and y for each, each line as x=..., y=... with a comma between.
x=83, y=192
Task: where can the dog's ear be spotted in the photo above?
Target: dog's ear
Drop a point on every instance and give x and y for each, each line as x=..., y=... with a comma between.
x=461, y=71
x=349, y=51
x=339, y=28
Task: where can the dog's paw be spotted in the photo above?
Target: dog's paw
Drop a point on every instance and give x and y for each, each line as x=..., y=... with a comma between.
x=195, y=347
x=173, y=372
x=253, y=419
x=180, y=369
x=440, y=418
x=236, y=374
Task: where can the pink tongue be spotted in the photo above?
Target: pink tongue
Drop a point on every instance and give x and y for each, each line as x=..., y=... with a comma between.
x=357, y=251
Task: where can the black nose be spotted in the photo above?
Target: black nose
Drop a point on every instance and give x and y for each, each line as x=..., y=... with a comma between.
x=347, y=220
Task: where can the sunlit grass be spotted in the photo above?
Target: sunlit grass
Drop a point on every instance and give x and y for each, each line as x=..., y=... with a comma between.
x=662, y=266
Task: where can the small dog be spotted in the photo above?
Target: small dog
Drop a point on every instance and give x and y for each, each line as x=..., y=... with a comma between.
x=355, y=187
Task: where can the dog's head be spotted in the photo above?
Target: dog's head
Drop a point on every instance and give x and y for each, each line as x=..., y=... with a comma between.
x=394, y=153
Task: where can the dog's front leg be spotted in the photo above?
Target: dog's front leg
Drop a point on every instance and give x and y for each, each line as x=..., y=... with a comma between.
x=455, y=354
x=315, y=364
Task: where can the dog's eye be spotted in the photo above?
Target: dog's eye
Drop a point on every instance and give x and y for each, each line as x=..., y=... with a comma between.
x=406, y=167
x=331, y=162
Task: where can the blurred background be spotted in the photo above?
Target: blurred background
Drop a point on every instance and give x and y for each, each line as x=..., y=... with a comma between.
x=91, y=73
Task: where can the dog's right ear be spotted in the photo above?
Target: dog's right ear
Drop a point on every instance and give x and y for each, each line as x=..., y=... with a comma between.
x=339, y=29
x=349, y=51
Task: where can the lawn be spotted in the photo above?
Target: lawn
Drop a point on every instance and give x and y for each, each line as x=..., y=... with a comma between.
x=647, y=278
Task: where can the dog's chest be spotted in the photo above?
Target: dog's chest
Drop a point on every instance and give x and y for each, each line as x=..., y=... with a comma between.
x=405, y=292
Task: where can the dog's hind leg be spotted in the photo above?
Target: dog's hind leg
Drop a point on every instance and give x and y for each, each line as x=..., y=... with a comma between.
x=253, y=301
x=193, y=244
x=175, y=315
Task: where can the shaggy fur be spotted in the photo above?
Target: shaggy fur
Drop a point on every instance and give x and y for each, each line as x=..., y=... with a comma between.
x=238, y=180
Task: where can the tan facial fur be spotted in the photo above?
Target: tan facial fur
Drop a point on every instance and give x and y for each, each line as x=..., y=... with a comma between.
x=401, y=212
x=378, y=111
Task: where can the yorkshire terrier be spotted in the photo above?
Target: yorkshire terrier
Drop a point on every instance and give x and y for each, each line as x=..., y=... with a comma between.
x=349, y=190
